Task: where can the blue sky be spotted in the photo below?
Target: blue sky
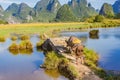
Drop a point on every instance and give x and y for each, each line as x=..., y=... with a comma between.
x=96, y=3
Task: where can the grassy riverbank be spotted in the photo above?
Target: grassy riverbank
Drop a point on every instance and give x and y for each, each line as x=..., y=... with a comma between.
x=50, y=28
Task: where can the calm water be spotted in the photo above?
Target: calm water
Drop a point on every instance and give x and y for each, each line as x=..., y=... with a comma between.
x=107, y=46
x=24, y=66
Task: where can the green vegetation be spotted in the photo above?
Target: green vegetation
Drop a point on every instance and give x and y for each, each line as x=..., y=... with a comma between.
x=55, y=61
x=81, y=9
x=14, y=46
x=117, y=16
x=24, y=11
x=23, y=52
x=45, y=10
x=48, y=28
x=24, y=37
x=91, y=58
x=3, y=22
x=65, y=14
x=2, y=39
x=38, y=45
x=25, y=45
x=67, y=69
x=14, y=38
x=99, y=18
x=51, y=61
x=107, y=10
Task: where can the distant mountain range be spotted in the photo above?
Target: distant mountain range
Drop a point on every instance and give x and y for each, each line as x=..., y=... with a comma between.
x=46, y=10
x=81, y=8
x=107, y=10
x=116, y=6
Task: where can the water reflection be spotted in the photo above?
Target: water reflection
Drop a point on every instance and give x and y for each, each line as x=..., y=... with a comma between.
x=38, y=49
x=52, y=73
x=93, y=36
x=2, y=41
x=22, y=52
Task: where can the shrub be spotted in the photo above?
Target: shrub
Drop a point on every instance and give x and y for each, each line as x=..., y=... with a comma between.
x=38, y=45
x=44, y=36
x=2, y=39
x=68, y=70
x=3, y=22
x=117, y=16
x=51, y=61
x=14, y=38
x=90, y=19
x=25, y=37
x=91, y=58
x=99, y=18
x=25, y=45
x=55, y=61
x=14, y=46
x=72, y=70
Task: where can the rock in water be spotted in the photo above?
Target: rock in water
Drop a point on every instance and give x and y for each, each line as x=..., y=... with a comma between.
x=94, y=34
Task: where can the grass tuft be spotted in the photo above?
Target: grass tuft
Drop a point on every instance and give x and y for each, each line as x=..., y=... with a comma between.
x=24, y=37
x=2, y=39
x=14, y=38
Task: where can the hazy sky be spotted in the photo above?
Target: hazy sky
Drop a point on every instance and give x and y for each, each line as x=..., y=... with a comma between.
x=96, y=3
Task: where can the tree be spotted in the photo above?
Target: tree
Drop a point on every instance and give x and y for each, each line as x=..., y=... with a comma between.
x=117, y=16
x=99, y=18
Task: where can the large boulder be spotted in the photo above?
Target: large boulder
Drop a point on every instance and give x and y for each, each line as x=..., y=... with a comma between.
x=48, y=46
x=94, y=34
x=72, y=41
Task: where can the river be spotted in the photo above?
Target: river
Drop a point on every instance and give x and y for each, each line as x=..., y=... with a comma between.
x=107, y=45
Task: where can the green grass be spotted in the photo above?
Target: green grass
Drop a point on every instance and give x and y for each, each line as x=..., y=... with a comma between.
x=25, y=45
x=14, y=46
x=48, y=28
x=2, y=39
x=25, y=37
x=38, y=45
x=51, y=61
x=91, y=59
x=55, y=61
x=14, y=38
